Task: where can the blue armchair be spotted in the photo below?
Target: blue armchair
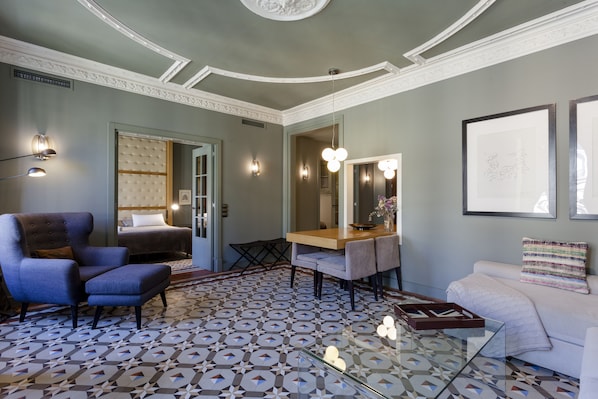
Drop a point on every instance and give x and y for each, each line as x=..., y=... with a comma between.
x=46, y=258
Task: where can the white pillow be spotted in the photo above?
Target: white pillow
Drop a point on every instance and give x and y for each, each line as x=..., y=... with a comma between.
x=155, y=219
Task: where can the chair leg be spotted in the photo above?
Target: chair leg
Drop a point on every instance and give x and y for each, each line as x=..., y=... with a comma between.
x=96, y=316
x=163, y=296
x=315, y=284
x=75, y=315
x=351, y=294
x=293, y=267
x=399, y=279
x=380, y=284
x=138, y=316
x=320, y=277
x=24, y=307
x=374, y=281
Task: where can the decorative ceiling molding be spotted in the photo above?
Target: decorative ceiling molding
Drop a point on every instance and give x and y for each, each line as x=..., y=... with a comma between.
x=179, y=62
x=208, y=70
x=15, y=52
x=570, y=24
x=476, y=11
x=285, y=10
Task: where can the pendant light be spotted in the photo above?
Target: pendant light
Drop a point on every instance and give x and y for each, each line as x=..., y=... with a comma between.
x=334, y=156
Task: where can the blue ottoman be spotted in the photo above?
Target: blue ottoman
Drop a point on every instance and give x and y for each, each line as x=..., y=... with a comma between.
x=128, y=285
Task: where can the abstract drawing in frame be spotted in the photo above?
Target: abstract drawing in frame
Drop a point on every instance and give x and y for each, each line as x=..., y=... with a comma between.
x=583, y=150
x=509, y=165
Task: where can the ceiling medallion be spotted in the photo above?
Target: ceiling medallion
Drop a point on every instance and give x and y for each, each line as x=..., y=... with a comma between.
x=285, y=10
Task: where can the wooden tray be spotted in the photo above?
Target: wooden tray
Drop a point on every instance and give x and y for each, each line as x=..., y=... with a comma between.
x=428, y=316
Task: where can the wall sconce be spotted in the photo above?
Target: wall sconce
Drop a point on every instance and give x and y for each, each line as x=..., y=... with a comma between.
x=255, y=168
x=41, y=147
x=32, y=172
x=388, y=166
x=305, y=172
x=366, y=178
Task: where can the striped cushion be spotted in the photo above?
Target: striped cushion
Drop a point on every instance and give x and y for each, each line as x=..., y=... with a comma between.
x=555, y=264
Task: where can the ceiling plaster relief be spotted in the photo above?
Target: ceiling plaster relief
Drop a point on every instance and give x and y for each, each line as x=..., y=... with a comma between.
x=285, y=10
x=572, y=23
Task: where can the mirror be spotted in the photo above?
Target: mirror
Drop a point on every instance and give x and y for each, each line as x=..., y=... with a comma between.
x=369, y=183
x=350, y=214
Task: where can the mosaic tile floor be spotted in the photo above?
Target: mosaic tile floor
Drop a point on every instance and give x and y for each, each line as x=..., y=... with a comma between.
x=222, y=337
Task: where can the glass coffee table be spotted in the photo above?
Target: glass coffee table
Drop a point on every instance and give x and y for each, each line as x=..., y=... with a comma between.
x=386, y=358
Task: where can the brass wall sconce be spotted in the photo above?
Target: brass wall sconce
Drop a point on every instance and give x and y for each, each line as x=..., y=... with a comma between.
x=255, y=168
x=41, y=147
x=304, y=172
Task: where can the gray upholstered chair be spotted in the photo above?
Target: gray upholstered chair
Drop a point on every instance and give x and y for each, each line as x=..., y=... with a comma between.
x=306, y=256
x=388, y=258
x=359, y=261
x=51, y=277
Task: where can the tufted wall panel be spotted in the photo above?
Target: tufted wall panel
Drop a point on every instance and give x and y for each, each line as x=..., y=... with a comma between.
x=142, y=176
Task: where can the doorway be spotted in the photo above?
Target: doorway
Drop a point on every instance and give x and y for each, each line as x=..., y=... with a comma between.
x=211, y=252
x=314, y=189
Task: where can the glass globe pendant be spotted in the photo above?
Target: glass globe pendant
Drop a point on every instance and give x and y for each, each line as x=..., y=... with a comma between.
x=334, y=156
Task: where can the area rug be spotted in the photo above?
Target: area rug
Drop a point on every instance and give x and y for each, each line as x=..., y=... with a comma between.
x=225, y=336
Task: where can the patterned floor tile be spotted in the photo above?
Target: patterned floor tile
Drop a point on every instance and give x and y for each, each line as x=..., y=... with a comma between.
x=226, y=336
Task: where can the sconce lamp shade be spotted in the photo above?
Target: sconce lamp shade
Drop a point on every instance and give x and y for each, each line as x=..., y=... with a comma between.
x=41, y=147
x=36, y=172
x=255, y=167
x=33, y=172
x=174, y=207
x=304, y=172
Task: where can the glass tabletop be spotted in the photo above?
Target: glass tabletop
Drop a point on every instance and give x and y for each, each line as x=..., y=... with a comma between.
x=386, y=358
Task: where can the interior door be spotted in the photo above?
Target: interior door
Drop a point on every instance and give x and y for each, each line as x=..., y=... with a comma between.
x=203, y=208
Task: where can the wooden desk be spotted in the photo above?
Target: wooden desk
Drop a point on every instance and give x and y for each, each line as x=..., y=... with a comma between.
x=335, y=238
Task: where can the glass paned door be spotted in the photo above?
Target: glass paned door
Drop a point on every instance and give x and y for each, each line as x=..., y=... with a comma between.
x=202, y=207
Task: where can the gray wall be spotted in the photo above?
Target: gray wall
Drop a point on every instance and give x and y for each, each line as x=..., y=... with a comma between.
x=440, y=244
x=78, y=178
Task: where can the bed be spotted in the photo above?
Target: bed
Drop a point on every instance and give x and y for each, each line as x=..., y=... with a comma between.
x=149, y=234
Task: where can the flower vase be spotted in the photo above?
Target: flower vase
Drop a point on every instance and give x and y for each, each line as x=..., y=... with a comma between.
x=389, y=224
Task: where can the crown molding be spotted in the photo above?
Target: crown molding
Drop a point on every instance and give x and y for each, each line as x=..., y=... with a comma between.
x=573, y=23
x=41, y=59
x=570, y=24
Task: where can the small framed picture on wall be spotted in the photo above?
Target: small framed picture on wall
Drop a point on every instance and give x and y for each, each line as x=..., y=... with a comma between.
x=184, y=197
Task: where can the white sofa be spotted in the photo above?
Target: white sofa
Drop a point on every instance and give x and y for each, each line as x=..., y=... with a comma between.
x=588, y=382
x=564, y=315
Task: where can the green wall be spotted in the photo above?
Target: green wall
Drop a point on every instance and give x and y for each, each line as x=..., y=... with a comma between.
x=79, y=177
x=440, y=244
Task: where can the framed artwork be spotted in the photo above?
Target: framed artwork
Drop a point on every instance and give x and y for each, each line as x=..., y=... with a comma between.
x=509, y=165
x=583, y=171
x=184, y=197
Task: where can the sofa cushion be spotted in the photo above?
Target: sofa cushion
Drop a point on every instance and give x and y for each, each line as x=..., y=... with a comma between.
x=565, y=315
x=555, y=264
x=54, y=253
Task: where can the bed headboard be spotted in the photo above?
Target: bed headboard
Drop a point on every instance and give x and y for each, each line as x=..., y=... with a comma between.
x=142, y=176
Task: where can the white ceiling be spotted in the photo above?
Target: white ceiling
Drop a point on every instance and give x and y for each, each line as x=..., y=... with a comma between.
x=221, y=55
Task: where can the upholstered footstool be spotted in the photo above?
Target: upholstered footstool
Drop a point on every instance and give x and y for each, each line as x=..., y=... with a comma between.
x=129, y=285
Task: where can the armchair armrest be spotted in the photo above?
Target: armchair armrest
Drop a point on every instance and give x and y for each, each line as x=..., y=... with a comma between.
x=102, y=256
x=47, y=281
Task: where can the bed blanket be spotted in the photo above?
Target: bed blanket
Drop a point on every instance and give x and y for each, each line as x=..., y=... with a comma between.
x=490, y=298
